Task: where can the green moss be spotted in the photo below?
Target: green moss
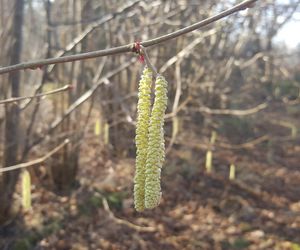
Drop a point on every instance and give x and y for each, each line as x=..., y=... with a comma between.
x=52, y=227
x=22, y=244
x=115, y=200
x=241, y=243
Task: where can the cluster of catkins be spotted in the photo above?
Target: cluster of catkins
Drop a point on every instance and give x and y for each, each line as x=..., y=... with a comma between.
x=150, y=142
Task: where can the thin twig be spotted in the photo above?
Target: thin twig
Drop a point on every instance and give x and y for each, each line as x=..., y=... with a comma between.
x=37, y=161
x=124, y=222
x=249, y=144
x=51, y=92
x=83, y=99
x=91, y=27
x=233, y=112
x=90, y=93
x=180, y=107
x=128, y=47
x=175, y=104
x=149, y=64
x=186, y=50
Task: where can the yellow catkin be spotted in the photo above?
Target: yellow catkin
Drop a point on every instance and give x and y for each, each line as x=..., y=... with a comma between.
x=106, y=133
x=208, y=162
x=156, y=145
x=97, y=127
x=232, y=172
x=141, y=139
x=26, y=190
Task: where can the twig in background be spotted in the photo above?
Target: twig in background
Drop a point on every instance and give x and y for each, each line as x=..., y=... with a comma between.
x=233, y=112
x=124, y=222
x=129, y=47
x=37, y=161
x=178, y=92
x=51, y=92
x=92, y=27
x=82, y=99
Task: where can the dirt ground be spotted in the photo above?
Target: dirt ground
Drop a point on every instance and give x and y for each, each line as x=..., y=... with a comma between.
x=260, y=209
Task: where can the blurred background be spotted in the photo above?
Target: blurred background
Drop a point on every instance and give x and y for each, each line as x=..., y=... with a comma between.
x=231, y=176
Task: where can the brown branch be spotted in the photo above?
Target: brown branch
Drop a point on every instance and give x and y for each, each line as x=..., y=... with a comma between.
x=51, y=92
x=128, y=47
x=175, y=103
x=82, y=99
x=92, y=27
x=233, y=112
x=222, y=145
x=124, y=222
x=252, y=60
x=186, y=51
x=180, y=107
x=37, y=161
x=90, y=93
x=147, y=60
x=249, y=144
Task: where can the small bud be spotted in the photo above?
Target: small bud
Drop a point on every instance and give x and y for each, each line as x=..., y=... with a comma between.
x=141, y=58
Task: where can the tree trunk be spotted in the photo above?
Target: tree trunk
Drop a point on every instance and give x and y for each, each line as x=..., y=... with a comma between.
x=8, y=180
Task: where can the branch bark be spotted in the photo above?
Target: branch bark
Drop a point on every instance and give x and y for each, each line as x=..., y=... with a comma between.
x=18, y=99
x=81, y=100
x=36, y=161
x=233, y=112
x=128, y=48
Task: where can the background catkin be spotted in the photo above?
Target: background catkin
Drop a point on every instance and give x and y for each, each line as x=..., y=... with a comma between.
x=156, y=145
x=141, y=139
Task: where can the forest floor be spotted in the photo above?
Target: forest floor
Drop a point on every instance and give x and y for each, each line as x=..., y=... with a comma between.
x=260, y=209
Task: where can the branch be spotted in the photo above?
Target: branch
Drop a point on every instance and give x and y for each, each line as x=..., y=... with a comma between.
x=124, y=222
x=180, y=107
x=128, y=47
x=17, y=99
x=249, y=144
x=186, y=51
x=90, y=93
x=91, y=27
x=148, y=63
x=82, y=99
x=233, y=112
x=37, y=161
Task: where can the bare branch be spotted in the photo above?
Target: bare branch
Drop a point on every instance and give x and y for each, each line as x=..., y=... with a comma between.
x=233, y=112
x=90, y=93
x=250, y=144
x=186, y=51
x=128, y=47
x=180, y=107
x=148, y=63
x=51, y=92
x=83, y=99
x=124, y=222
x=91, y=27
x=37, y=161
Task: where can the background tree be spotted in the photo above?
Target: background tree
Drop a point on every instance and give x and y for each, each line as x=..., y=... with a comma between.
x=230, y=78
x=12, y=112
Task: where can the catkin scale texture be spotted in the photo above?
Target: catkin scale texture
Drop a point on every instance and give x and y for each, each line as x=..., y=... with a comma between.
x=141, y=139
x=156, y=145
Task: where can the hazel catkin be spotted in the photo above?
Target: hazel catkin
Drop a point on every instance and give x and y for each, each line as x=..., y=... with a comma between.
x=141, y=139
x=156, y=145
